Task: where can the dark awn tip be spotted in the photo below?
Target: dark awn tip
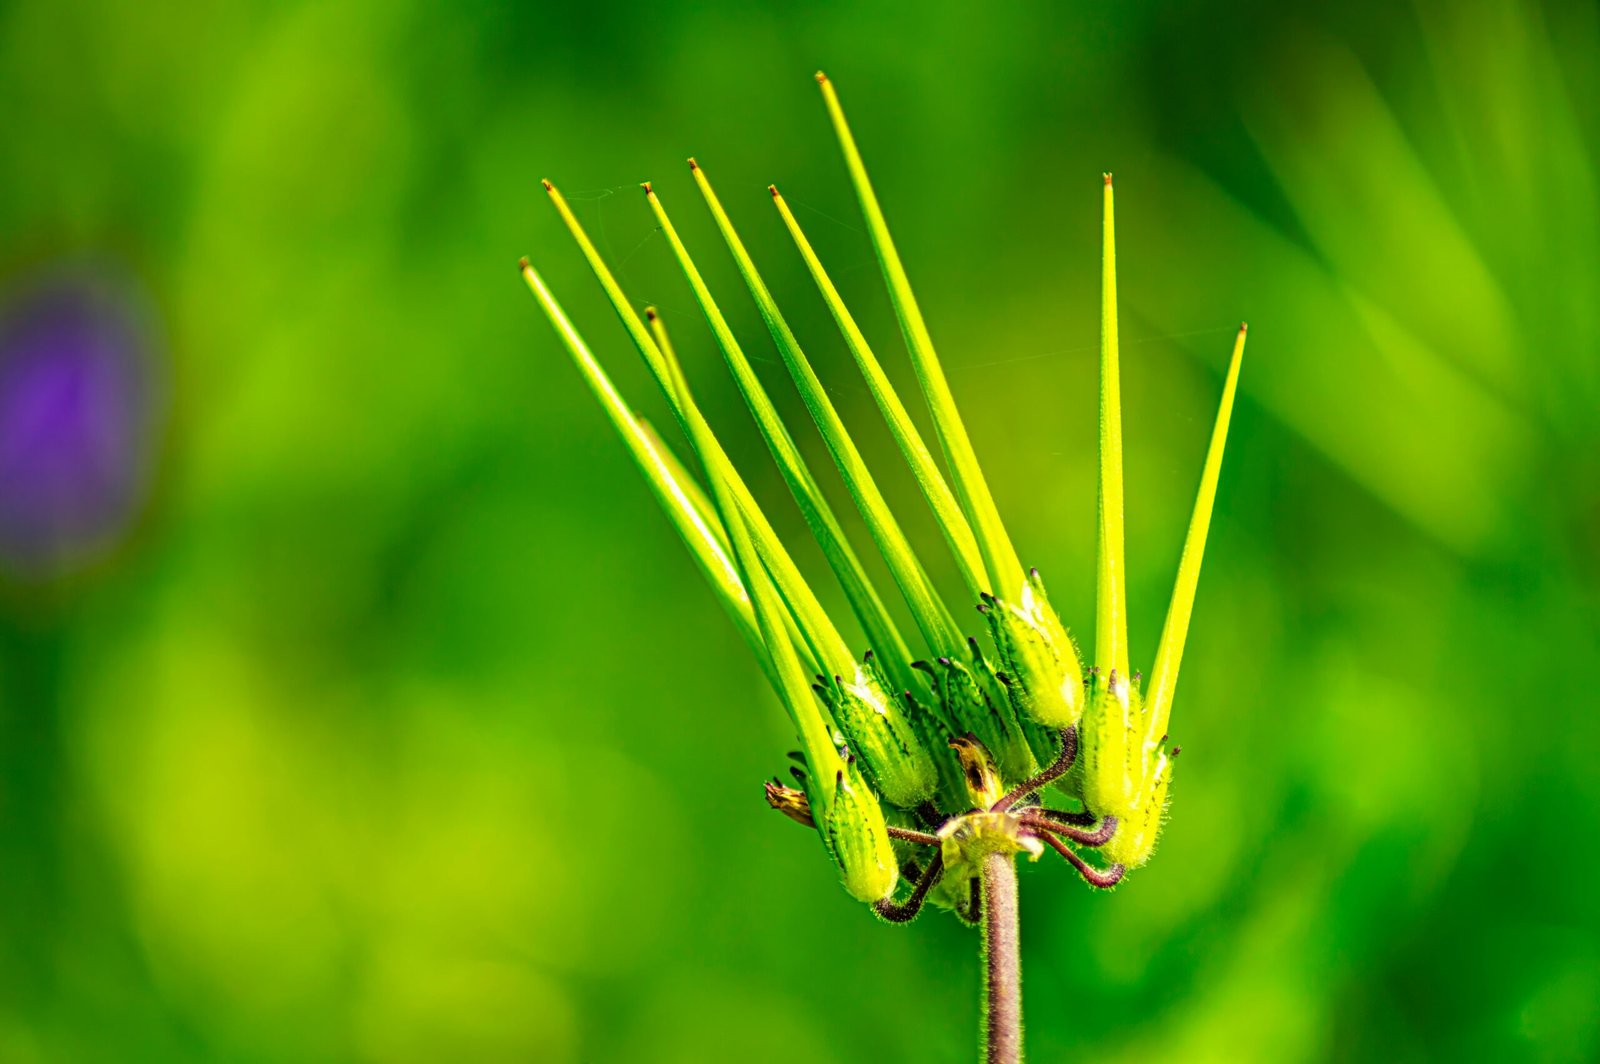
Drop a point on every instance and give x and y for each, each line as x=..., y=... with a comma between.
x=1176, y=750
x=774, y=190
x=1137, y=676
x=1034, y=572
x=548, y=187
x=867, y=654
x=821, y=77
x=1108, y=179
x=983, y=609
x=650, y=312
x=648, y=191
x=522, y=264
x=1244, y=326
x=821, y=690
x=692, y=164
x=945, y=662
x=795, y=755
x=799, y=777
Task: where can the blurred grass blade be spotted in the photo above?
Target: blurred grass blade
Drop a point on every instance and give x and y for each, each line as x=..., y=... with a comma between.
x=792, y=684
x=1000, y=558
x=673, y=488
x=1169, y=654
x=952, y=522
x=932, y=617
x=1111, y=597
x=869, y=608
x=791, y=584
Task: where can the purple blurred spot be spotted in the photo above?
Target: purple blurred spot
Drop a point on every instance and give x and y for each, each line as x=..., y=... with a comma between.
x=75, y=425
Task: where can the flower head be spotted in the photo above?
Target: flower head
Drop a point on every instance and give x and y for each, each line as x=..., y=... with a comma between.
x=963, y=743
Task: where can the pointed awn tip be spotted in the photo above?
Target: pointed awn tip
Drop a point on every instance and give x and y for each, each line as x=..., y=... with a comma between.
x=548, y=187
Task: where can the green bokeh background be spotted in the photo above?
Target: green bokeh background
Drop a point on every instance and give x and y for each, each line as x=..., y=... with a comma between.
x=399, y=726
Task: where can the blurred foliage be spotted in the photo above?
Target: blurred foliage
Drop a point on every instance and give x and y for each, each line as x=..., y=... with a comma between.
x=397, y=726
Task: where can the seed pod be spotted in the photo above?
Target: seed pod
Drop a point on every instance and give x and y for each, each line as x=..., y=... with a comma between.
x=972, y=700
x=857, y=837
x=936, y=734
x=1135, y=838
x=1111, y=747
x=1038, y=655
x=876, y=727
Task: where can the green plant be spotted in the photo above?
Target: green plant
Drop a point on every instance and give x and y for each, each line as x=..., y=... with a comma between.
x=930, y=769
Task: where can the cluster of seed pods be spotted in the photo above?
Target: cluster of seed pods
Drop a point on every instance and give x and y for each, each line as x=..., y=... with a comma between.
x=913, y=766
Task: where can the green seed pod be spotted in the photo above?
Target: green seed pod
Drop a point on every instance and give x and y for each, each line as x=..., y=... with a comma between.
x=1137, y=830
x=1111, y=747
x=856, y=835
x=876, y=727
x=973, y=700
x=936, y=734
x=1039, y=656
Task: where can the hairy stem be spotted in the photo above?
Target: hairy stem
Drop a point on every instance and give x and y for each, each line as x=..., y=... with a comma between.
x=1002, y=961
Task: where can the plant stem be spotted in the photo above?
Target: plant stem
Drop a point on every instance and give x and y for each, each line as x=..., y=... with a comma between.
x=1002, y=961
